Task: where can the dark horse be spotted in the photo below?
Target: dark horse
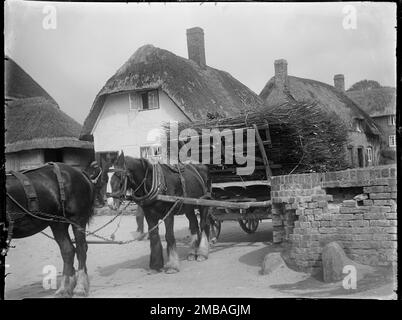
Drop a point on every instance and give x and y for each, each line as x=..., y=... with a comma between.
x=78, y=209
x=138, y=175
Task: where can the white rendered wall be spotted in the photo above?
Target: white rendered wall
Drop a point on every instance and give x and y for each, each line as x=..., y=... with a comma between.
x=119, y=128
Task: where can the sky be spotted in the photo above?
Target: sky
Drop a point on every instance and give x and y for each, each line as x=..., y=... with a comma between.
x=72, y=49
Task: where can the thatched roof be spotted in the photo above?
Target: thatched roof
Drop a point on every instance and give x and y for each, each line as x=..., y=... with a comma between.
x=376, y=102
x=19, y=84
x=38, y=123
x=327, y=96
x=196, y=91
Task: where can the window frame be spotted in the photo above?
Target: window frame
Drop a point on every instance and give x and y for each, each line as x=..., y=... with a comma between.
x=359, y=125
x=369, y=154
x=392, y=120
x=136, y=99
x=392, y=137
x=152, y=148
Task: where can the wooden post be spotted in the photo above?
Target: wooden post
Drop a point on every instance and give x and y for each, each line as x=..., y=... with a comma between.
x=263, y=154
x=268, y=134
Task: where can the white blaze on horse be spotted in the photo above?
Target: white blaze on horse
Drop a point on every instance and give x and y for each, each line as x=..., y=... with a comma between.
x=146, y=181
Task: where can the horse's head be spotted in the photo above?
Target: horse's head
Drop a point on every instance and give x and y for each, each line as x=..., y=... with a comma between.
x=93, y=171
x=117, y=182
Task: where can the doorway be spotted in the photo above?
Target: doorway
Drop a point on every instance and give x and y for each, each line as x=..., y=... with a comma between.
x=53, y=155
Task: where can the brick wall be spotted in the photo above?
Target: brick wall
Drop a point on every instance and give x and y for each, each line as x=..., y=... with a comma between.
x=305, y=214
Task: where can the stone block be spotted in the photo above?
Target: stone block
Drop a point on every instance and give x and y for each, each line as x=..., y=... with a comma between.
x=349, y=203
x=380, y=223
x=374, y=216
x=374, y=189
x=272, y=262
x=380, y=195
x=368, y=202
x=334, y=260
x=390, y=215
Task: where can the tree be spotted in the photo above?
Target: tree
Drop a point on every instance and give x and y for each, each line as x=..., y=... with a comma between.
x=365, y=85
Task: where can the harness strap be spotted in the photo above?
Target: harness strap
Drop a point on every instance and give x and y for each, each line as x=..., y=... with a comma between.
x=183, y=181
x=200, y=178
x=60, y=182
x=32, y=197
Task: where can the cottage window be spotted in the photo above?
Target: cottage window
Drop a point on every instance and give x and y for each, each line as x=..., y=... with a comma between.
x=392, y=140
x=370, y=154
x=144, y=100
x=358, y=123
x=153, y=153
x=392, y=120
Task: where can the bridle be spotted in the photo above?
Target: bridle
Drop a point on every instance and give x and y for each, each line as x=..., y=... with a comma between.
x=121, y=193
x=149, y=195
x=95, y=180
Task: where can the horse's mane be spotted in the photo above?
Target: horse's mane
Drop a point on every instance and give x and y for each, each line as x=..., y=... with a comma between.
x=130, y=161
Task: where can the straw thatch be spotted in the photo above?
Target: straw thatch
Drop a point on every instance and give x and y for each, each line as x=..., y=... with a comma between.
x=37, y=123
x=19, y=84
x=304, y=137
x=327, y=96
x=376, y=102
x=197, y=91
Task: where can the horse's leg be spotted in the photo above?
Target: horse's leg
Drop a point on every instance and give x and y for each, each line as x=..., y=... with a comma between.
x=203, y=248
x=68, y=281
x=156, y=261
x=82, y=287
x=192, y=218
x=173, y=264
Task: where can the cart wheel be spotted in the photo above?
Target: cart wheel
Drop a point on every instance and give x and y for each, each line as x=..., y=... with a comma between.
x=215, y=229
x=249, y=225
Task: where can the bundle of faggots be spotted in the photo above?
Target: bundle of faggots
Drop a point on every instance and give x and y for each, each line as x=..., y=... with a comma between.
x=297, y=137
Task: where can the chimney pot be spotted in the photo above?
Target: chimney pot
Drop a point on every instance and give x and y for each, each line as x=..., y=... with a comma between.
x=339, y=82
x=281, y=71
x=196, y=46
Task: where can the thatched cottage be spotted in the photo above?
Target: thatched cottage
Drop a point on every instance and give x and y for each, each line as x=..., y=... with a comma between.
x=37, y=131
x=363, y=148
x=156, y=86
x=380, y=104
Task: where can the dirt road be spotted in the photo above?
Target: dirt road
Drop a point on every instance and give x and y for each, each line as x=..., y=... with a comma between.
x=232, y=269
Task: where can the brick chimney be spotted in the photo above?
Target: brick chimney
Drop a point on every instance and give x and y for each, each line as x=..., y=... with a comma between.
x=339, y=82
x=281, y=72
x=196, y=46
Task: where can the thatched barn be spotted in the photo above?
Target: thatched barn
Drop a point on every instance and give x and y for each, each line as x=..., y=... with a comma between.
x=363, y=145
x=156, y=86
x=37, y=131
x=380, y=104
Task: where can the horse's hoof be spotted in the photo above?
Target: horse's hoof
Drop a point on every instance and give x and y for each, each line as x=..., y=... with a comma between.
x=191, y=257
x=201, y=258
x=153, y=271
x=62, y=293
x=80, y=292
x=82, y=287
x=213, y=240
x=171, y=270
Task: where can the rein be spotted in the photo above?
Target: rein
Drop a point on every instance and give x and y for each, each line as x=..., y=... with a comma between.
x=95, y=180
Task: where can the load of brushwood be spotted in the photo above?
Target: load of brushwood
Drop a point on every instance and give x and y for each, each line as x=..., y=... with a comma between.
x=298, y=137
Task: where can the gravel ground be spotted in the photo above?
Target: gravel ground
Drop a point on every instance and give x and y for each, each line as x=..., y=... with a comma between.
x=232, y=270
